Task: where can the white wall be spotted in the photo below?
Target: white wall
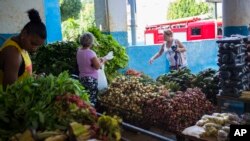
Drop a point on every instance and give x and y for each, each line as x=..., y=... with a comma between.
x=100, y=15
x=13, y=14
x=117, y=15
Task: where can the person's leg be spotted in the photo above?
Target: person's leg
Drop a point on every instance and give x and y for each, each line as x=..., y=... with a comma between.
x=90, y=84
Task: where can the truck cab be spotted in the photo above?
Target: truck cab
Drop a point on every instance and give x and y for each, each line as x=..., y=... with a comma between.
x=207, y=29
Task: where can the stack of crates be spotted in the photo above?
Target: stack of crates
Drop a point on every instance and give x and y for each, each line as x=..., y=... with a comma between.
x=248, y=58
x=233, y=68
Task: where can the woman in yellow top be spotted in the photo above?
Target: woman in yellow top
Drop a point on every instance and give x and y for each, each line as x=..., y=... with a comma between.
x=15, y=62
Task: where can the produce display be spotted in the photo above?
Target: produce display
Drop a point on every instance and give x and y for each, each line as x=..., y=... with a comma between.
x=182, y=78
x=126, y=96
x=245, y=95
x=55, y=58
x=137, y=101
x=208, y=81
x=245, y=119
x=51, y=106
x=133, y=72
x=145, y=79
x=57, y=108
x=106, y=43
x=178, y=112
x=61, y=56
x=218, y=125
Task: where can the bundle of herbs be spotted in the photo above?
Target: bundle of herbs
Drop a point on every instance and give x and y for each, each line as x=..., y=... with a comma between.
x=55, y=58
x=35, y=103
x=105, y=44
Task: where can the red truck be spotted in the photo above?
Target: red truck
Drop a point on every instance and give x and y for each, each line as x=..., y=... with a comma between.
x=188, y=29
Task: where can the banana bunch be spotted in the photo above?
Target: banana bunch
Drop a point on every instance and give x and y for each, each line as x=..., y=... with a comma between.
x=245, y=95
x=79, y=131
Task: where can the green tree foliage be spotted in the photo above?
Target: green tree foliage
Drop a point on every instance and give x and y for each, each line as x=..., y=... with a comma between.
x=72, y=27
x=70, y=8
x=187, y=8
x=87, y=16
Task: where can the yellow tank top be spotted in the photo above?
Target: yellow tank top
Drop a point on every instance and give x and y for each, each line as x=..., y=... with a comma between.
x=25, y=56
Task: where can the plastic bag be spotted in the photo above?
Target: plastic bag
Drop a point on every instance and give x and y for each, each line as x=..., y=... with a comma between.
x=194, y=131
x=109, y=56
x=102, y=80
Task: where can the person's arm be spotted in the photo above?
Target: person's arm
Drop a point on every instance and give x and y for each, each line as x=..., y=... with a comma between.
x=158, y=54
x=11, y=64
x=181, y=47
x=96, y=63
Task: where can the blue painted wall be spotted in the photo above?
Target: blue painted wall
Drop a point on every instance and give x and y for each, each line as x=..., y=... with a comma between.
x=4, y=37
x=200, y=55
x=230, y=30
x=53, y=20
x=121, y=37
x=139, y=57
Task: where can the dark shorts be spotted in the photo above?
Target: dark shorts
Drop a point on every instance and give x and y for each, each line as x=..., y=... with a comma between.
x=176, y=67
x=91, y=85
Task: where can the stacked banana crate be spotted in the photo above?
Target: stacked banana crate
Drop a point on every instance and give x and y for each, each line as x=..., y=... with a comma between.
x=233, y=67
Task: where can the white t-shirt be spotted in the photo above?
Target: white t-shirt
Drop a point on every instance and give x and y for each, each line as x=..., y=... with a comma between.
x=175, y=58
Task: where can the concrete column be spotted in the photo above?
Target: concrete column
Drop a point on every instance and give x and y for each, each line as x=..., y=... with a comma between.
x=101, y=15
x=236, y=17
x=133, y=20
x=111, y=18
